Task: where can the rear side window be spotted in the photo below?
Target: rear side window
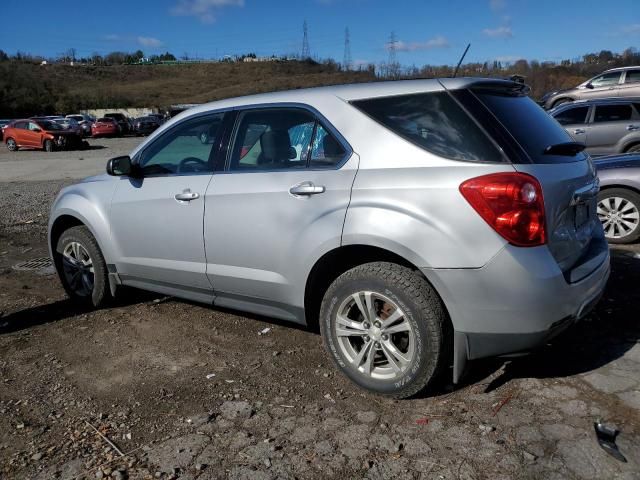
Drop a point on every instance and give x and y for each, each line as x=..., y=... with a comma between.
x=572, y=116
x=612, y=113
x=435, y=122
x=530, y=126
x=633, y=76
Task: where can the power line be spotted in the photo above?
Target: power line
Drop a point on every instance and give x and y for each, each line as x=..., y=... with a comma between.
x=346, y=61
x=391, y=46
x=306, y=52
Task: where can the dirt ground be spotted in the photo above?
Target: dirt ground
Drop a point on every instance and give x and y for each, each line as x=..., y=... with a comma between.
x=180, y=390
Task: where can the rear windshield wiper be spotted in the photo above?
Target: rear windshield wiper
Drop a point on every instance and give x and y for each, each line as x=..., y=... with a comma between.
x=568, y=149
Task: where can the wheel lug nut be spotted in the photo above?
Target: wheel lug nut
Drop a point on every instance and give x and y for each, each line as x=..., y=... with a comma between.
x=366, y=325
x=385, y=337
x=377, y=324
x=366, y=338
x=377, y=345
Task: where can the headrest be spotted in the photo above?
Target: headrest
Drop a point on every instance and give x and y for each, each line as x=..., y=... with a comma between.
x=276, y=146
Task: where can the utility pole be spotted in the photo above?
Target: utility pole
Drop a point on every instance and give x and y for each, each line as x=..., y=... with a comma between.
x=306, y=53
x=393, y=69
x=346, y=61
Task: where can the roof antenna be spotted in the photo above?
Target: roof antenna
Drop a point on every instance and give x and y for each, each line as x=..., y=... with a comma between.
x=461, y=58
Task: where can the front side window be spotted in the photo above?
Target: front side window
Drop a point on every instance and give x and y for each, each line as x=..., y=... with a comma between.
x=633, y=76
x=572, y=116
x=434, y=122
x=187, y=148
x=612, y=113
x=606, y=79
x=276, y=139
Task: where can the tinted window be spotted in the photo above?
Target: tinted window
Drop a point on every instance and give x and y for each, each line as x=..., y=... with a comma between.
x=529, y=125
x=435, y=122
x=272, y=139
x=326, y=151
x=612, y=113
x=573, y=115
x=606, y=79
x=21, y=125
x=633, y=76
x=186, y=148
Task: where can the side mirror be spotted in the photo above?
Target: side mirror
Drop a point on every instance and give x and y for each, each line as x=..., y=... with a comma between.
x=589, y=85
x=119, y=166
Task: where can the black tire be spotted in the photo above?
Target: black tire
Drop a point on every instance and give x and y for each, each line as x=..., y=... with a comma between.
x=422, y=308
x=633, y=148
x=48, y=146
x=100, y=293
x=633, y=200
x=557, y=103
x=12, y=145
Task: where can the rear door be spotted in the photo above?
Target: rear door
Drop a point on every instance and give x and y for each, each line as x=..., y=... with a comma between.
x=630, y=86
x=568, y=181
x=610, y=123
x=281, y=200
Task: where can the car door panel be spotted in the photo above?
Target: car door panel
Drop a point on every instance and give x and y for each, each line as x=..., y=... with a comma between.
x=610, y=122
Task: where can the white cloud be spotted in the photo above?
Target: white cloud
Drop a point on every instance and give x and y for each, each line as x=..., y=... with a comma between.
x=149, y=42
x=497, y=4
x=499, y=32
x=205, y=10
x=433, y=43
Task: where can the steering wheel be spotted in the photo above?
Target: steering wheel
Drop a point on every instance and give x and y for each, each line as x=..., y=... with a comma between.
x=192, y=164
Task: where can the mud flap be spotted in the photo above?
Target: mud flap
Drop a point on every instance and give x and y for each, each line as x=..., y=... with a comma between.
x=460, y=355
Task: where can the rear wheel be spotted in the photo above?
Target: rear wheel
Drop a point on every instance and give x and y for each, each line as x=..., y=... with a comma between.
x=12, y=145
x=385, y=328
x=81, y=267
x=634, y=148
x=619, y=212
x=48, y=146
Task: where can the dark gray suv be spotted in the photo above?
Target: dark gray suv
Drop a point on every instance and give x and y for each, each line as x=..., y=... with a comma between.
x=605, y=126
x=617, y=82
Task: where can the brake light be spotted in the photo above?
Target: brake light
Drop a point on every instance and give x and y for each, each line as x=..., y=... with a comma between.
x=512, y=204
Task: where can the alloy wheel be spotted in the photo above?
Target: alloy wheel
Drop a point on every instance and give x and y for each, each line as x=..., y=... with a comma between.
x=11, y=145
x=77, y=267
x=374, y=335
x=619, y=217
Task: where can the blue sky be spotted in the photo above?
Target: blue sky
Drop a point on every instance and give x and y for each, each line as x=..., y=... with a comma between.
x=427, y=31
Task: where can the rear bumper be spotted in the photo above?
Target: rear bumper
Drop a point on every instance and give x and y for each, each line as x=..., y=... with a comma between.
x=520, y=299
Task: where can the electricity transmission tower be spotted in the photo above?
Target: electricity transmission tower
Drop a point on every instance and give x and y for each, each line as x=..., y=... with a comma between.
x=346, y=61
x=393, y=68
x=306, y=53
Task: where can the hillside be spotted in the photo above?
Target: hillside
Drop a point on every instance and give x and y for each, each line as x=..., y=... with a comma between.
x=26, y=89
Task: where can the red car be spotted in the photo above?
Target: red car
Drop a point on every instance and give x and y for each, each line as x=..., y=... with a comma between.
x=40, y=134
x=105, y=127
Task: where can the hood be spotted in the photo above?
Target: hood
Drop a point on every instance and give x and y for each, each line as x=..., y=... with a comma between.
x=103, y=177
x=617, y=161
x=66, y=132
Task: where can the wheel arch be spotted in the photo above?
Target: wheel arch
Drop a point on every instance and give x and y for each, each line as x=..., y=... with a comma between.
x=621, y=186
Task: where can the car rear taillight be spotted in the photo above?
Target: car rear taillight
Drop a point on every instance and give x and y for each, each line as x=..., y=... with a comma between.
x=512, y=204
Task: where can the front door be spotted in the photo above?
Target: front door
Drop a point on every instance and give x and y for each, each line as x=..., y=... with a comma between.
x=606, y=85
x=281, y=200
x=157, y=219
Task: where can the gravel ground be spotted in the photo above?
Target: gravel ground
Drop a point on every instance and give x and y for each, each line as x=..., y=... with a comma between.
x=187, y=391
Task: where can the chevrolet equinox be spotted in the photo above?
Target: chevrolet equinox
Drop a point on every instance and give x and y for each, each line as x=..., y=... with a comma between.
x=419, y=224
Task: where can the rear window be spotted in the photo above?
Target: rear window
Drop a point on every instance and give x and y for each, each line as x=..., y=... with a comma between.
x=434, y=122
x=529, y=125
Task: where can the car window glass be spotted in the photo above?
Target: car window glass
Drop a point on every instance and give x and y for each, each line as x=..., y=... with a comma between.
x=612, y=113
x=633, y=76
x=185, y=149
x=32, y=126
x=572, y=116
x=21, y=125
x=272, y=139
x=434, y=122
x=326, y=150
x=606, y=79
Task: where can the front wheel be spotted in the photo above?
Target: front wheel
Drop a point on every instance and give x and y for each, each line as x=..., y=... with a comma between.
x=386, y=328
x=619, y=212
x=81, y=267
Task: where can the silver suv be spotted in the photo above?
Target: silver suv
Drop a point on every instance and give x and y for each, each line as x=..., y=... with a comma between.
x=420, y=224
x=605, y=126
x=617, y=82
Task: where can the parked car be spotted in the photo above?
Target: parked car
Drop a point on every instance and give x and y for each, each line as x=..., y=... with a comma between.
x=40, y=134
x=70, y=124
x=419, y=223
x=605, y=126
x=85, y=122
x=3, y=123
x=619, y=197
x=159, y=117
x=105, y=127
x=123, y=122
x=145, y=125
x=616, y=82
